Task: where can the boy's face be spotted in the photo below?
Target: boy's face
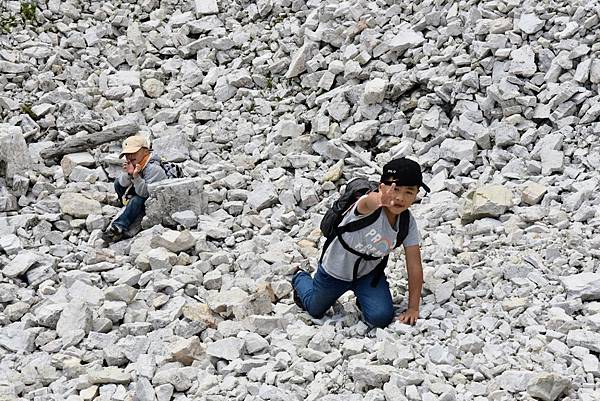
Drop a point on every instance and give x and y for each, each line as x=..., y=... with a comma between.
x=135, y=158
x=404, y=197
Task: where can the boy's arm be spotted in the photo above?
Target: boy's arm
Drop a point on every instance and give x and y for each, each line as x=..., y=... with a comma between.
x=153, y=174
x=414, y=269
x=124, y=179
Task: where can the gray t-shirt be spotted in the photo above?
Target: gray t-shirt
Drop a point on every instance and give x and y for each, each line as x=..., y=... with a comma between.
x=377, y=240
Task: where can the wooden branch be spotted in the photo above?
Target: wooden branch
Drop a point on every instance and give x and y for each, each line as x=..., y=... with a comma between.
x=82, y=143
x=361, y=157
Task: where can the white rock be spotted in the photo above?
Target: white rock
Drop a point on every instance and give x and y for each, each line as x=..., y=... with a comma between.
x=263, y=196
x=170, y=196
x=584, y=338
x=153, y=87
x=107, y=375
x=523, y=61
x=505, y=134
x=174, y=241
x=20, y=264
x=76, y=316
x=591, y=365
x=443, y=292
x=362, y=131
x=530, y=23
x=489, y=200
x=298, y=62
x=372, y=375
x=70, y=161
x=553, y=161
x=514, y=381
x=338, y=108
x=205, y=7
x=583, y=285
x=78, y=205
x=13, y=68
x=374, y=91
x=405, y=39
x=14, y=154
x=548, y=386
x=595, y=71
x=11, y=244
x=440, y=355
x=187, y=350
x=124, y=78
x=458, y=149
x=186, y=218
x=128, y=124
x=533, y=193
x=144, y=390
x=172, y=148
x=470, y=343
x=227, y=348
x=161, y=258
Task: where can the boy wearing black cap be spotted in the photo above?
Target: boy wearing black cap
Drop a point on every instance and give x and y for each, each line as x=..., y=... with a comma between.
x=398, y=189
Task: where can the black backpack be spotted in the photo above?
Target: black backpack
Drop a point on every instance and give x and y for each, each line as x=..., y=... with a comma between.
x=173, y=170
x=331, y=229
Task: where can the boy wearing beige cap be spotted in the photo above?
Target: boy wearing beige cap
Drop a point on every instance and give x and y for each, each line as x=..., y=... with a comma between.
x=140, y=168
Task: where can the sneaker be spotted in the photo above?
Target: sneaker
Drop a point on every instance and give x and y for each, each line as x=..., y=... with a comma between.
x=113, y=234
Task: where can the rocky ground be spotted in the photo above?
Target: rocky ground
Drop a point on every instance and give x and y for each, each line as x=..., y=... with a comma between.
x=271, y=106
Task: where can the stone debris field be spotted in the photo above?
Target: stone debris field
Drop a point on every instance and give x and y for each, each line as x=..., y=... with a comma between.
x=271, y=106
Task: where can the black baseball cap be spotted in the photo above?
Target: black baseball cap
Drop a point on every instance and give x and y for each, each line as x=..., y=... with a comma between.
x=403, y=172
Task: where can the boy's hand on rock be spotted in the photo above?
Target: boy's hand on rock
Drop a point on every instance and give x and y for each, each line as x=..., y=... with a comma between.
x=410, y=316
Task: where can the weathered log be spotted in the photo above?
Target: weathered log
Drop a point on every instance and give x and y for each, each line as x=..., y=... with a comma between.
x=84, y=142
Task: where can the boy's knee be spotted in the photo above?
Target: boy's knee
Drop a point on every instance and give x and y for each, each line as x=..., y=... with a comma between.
x=315, y=310
x=138, y=200
x=380, y=318
x=316, y=313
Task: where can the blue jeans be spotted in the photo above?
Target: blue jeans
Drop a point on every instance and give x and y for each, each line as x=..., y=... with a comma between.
x=134, y=209
x=320, y=293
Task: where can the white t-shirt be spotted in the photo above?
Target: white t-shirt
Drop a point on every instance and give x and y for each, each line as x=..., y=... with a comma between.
x=377, y=239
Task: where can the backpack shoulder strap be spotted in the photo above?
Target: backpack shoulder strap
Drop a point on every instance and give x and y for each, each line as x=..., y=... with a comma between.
x=350, y=227
x=360, y=223
x=403, y=226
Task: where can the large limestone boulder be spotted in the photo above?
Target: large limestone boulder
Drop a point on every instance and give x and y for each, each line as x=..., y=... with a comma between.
x=78, y=205
x=14, y=154
x=486, y=201
x=171, y=196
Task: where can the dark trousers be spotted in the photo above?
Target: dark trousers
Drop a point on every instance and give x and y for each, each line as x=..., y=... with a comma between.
x=320, y=292
x=134, y=209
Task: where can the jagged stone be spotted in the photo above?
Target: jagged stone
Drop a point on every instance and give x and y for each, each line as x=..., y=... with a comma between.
x=547, y=386
x=172, y=148
x=14, y=154
x=171, y=196
x=583, y=285
x=78, y=205
x=489, y=200
x=533, y=193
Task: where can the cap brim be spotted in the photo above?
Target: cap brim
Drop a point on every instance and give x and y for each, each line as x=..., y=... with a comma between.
x=425, y=187
x=132, y=149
